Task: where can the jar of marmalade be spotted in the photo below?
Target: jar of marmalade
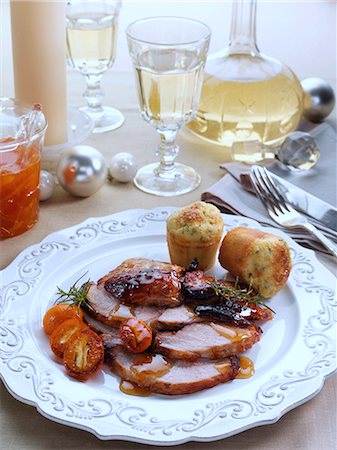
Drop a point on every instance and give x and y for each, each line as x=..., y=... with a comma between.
x=22, y=133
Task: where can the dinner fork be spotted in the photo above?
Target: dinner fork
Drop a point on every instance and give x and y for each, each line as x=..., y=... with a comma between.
x=279, y=209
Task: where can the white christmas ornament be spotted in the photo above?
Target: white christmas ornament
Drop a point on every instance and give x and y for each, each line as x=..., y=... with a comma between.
x=82, y=170
x=47, y=185
x=123, y=167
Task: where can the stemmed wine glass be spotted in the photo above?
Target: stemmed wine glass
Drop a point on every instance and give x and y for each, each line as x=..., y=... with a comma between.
x=168, y=55
x=91, y=45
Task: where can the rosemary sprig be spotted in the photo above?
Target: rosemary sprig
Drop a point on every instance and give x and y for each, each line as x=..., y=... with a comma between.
x=77, y=295
x=236, y=292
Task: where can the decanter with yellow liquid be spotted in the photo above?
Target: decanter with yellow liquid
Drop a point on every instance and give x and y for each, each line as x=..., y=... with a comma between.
x=248, y=100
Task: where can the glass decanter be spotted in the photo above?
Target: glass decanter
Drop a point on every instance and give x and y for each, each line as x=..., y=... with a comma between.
x=247, y=97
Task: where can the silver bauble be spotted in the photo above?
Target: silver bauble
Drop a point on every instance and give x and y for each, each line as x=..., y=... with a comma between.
x=319, y=99
x=47, y=185
x=82, y=170
x=122, y=167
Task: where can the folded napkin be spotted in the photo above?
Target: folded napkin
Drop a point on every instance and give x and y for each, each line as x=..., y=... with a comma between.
x=233, y=194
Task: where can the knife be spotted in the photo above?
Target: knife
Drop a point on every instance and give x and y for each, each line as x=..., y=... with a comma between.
x=320, y=213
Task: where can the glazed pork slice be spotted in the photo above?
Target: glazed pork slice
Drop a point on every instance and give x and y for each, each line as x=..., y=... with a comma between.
x=176, y=318
x=141, y=263
x=112, y=312
x=110, y=342
x=236, y=314
x=97, y=326
x=206, y=340
x=105, y=311
x=139, y=281
x=165, y=376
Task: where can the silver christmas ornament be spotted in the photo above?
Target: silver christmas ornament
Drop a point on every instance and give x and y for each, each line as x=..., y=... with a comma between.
x=82, y=170
x=47, y=185
x=319, y=99
x=122, y=167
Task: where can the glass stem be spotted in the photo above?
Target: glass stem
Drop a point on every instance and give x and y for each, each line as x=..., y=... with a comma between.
x=242, y=38
x=168, y=151
x=94, y=94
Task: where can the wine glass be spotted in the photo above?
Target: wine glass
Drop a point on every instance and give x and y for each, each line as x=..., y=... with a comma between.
x=168, y=55
x=91, y=46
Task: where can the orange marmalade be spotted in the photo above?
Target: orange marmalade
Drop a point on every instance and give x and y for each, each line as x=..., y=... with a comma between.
x=19, y=188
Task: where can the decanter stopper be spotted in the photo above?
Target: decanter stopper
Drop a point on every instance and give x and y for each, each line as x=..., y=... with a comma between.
x=299, y=151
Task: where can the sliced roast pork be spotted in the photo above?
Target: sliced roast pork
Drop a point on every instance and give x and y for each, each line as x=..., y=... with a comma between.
x=105, y=308
x=110, y=311
x=110, y=342
x=142, y=263
x=146, y=289
x=206, y=340
x=176, y=318
x=165, y=376
x=98, y=326
x=139, y=281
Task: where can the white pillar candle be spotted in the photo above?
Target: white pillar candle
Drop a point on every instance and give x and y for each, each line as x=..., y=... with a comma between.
x=39, y=61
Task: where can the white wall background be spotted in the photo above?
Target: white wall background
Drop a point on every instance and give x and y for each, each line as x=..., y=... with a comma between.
x=301, y=33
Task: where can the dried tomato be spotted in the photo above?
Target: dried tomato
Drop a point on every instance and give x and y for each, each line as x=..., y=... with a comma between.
x=84, y=355
x=136, y=336
x=62, y=333
x=59, y=313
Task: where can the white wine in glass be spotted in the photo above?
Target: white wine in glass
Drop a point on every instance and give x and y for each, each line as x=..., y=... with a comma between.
x=91, y=44
x=169, y=55
x=168, y=97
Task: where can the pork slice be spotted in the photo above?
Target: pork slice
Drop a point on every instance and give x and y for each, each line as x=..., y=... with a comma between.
x=142, y=263
x=112, y=312
x=180, y=316
x=147, y=287
x=206, y=340
x=105, y=308
x=164, y=376
x=110, y=342
x=175, y=318
x=105, y=312
x=140, y=281
x=148, y=314
x=97, y=326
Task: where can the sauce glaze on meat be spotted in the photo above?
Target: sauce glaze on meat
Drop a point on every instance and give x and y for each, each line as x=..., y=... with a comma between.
x=197, y=332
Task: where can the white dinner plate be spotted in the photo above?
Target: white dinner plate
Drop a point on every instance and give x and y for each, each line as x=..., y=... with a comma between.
x=294, y=356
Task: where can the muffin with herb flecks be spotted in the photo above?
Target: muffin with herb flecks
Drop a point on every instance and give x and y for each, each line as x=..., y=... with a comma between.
x=259, y=259
x=194, y=232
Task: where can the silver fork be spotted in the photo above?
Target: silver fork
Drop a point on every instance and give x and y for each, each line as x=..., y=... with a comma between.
x=279, y=209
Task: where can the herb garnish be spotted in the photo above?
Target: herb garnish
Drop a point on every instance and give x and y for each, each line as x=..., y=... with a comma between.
x=236, y=292
x=77, y=295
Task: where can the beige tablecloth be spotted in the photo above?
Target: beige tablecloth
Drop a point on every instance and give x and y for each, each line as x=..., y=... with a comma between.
x=310, y=426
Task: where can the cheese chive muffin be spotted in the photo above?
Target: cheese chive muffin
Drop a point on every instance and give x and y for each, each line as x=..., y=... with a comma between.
x=257, y=258
x=194, y=232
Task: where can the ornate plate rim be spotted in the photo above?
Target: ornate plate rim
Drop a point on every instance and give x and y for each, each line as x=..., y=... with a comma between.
x=273, y=399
